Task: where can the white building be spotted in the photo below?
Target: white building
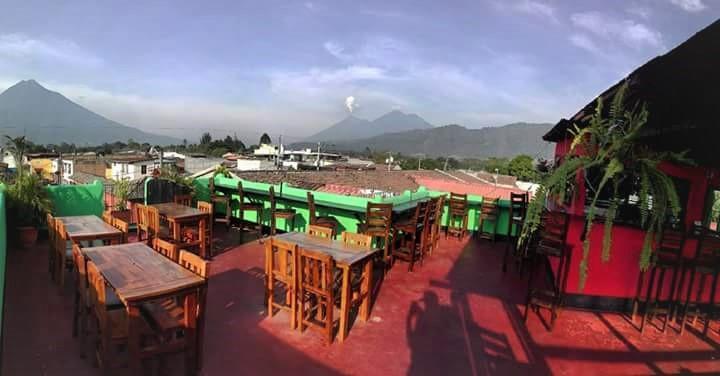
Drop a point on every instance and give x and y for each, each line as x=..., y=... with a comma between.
x=296, y=158
x=136, y=166
x=68, y=169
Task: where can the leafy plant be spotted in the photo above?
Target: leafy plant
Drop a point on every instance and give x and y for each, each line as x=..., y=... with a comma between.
x=221, y=170
x=121, y=192
x=171, y=173
x=17, y=146
x=610, y=144
x=28, y=200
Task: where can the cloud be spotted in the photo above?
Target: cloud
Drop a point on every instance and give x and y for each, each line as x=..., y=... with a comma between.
x=531, y=7
x=690, y=5
x=631, y=33
x=335, y=49
x=23, y=47
x=584, y=42
x=640, y=11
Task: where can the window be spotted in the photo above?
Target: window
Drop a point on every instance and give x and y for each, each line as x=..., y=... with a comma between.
x=143, y=169
x=628, y=211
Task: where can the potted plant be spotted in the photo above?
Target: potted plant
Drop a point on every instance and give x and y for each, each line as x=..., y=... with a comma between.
x=121, y=193
x=28, y=202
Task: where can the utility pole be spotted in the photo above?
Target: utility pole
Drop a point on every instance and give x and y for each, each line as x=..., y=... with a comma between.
x=446, y=162
x=318, y=157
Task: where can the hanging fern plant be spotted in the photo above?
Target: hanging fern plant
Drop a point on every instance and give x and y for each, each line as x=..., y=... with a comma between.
x=609, y=143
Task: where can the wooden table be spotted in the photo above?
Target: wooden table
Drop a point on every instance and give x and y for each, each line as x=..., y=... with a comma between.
x=138, y=274
x=178, y=215
x=89, y=227
x=345, y=256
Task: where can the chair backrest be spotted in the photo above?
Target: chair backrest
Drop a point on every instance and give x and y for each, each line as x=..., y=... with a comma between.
x=194, y=263
x=378, y=219
x=205, y=207
x=79, y=262
x=141, y=215
x=97, y=293
x=518, y=204
x=319, y=231
x=708, y=248
x=107, y=217
x=271, y=193
x=431, y=215
x=420, y=215
x=552, y=233
x=61, y=237
x=52, y=228
x=672, y=241
x=458, y=204
x=153, y=220
x=183, y=199
x=166, y=248
x=311, y=208
x=123, y=226
x=357, y=240
x=316, y=271
x=281, y=258
x=489, y=208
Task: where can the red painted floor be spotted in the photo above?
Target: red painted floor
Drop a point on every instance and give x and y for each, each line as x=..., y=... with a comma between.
x=456, y=315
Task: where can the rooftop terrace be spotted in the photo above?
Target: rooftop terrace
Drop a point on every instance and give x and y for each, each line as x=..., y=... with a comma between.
x=458, y=314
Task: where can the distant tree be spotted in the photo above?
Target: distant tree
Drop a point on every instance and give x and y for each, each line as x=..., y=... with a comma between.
x=17, y=146
x=238, y=145
x=185, y=144
x=367, y=153
x=265, y=139
x=132, y=144
x=205, y=139
x=523, y=168
x=493, y=164
x=218, y=151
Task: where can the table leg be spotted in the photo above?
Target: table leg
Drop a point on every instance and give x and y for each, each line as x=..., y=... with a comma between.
x=176, y=231
x=201, y=326
x=135, y=362
x=344, y=303
x=366, y=290
x=191, y=352
x=202, y=226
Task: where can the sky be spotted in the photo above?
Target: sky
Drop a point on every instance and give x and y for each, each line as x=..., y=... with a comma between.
x=289, y=67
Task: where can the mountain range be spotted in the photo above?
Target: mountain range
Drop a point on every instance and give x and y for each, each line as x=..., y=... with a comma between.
x=352, y=128
x=454, y=140
x=47, y=117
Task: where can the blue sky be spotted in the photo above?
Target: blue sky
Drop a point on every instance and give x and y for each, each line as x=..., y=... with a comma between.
x=287, y=67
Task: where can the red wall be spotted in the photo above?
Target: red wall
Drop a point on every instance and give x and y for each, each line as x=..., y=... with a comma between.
x=619, y=276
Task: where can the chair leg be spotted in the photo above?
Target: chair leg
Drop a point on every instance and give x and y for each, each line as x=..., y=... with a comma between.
x=687, y=302
x=648, y=302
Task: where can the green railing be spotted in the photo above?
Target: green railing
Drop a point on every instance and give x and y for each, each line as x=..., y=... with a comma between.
x=347, y=209
x=81, y=199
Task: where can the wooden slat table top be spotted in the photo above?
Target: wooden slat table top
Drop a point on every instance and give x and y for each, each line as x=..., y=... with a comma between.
x=342, y=253
x=87, y=226
x=136, y=272
x=172, y=210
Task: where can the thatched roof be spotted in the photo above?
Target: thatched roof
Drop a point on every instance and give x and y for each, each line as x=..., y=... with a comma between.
x=681, y=91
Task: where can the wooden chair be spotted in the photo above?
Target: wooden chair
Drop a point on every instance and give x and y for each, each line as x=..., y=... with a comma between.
x=63, y=253
x=166, y=248
x=107, y=217
x=275, y=213
x=168, y=318
x=52, y=233
x=357, y=240
x=223, y=201
x=322, y=221
x=315, y=279
x=437, y=226
x=193, y=235
x=143, y=222
x=183, y=199
x=489, y=212
x=245, y=206
x=430, y=220
x=81, y=302
x=378, y=224
x=320, y=232
x=551, y=244
x=705, y=266
x=280, y=269
x=667, y=257
x=111, y=324
x=410, y=233
x=518, y=209
x=457, y=211
x=123, y=226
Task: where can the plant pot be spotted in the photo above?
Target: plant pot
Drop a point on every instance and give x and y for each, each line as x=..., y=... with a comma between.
x=125, y=215
x=28, y=236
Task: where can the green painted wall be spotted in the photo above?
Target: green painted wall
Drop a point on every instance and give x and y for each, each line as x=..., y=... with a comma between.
x=3, y=253
x=81, y=199
x=345, y=208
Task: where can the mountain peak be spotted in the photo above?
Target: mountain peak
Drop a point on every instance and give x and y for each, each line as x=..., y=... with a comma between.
x=352, y=128
x=27, y=84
